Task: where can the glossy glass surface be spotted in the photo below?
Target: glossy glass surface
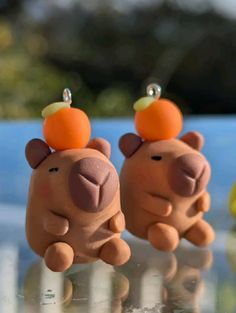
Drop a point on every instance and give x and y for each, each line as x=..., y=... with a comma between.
x=189, y=280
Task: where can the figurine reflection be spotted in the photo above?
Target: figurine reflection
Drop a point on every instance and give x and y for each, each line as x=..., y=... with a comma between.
x=93, y=288
x=167, y=282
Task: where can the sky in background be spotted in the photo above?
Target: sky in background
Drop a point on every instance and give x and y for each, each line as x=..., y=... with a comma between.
x=225, y=7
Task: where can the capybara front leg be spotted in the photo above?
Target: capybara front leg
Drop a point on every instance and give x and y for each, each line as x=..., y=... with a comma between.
x=115, y=252
x=59, y=257
x=163, y=237
x=200, y=234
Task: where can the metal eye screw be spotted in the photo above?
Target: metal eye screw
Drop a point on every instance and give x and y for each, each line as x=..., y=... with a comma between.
x=154, y=90
x=67, y=95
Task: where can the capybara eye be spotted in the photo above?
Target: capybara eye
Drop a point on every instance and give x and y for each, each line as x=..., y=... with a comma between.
x=156, y=158
x=54, y=169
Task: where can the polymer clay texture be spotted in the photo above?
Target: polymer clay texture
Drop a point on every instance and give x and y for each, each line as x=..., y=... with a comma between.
x=163, y=190
x=73, y=212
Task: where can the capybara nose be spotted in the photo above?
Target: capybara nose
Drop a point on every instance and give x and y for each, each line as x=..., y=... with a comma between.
x=93, y=184
x=189, y=174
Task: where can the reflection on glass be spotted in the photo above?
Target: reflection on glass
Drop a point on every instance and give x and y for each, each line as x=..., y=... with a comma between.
x=45, y=291
x=9, y=277
x=187, y=286
x=85, y=288
x=167, y=282
x=227, y=297
x=231, y=249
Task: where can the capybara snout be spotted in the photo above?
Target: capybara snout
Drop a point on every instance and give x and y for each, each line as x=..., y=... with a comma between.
x=189, y=174
x=93, y=184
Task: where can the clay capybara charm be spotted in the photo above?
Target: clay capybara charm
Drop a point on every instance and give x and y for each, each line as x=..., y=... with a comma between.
x=164, y=179
x=73, y=213
x=163, y=190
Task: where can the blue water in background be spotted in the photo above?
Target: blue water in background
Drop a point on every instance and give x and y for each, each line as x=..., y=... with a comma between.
x=220, y=150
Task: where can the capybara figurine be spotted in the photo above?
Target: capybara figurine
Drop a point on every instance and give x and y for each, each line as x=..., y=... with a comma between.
x=163, y=190
x=73, y=213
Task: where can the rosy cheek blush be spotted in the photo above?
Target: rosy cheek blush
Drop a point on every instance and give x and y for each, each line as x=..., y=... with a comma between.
x=45, y=190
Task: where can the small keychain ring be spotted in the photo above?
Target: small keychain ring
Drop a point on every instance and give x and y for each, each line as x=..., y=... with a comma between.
x=67, y=96
x=154, y=90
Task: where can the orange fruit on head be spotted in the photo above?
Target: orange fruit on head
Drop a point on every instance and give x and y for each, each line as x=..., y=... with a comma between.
x=65, y=127
x=157, y=119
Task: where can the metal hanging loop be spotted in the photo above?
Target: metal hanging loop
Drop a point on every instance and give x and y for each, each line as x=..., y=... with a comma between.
x=67, y=96
x=154, y=90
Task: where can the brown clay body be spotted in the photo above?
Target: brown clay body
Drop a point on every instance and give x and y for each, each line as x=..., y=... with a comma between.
x=163, y=190
x=73, y=212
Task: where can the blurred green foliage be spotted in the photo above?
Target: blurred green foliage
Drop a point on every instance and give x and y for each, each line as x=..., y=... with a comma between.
x=107, y=56
x=226, y=298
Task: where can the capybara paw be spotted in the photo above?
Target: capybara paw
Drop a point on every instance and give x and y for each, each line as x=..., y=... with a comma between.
x=204, y=202
x=117, y=223
x=56, y=225
x=59, y=257
x=163, y=237
x=115, y=252
x=200, y=234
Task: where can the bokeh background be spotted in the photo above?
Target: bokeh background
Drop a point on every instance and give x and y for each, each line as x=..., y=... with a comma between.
x=107, y=51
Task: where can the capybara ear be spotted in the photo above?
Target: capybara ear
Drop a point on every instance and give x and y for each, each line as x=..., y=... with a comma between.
x=101, y=145
x=36, y=151
x=129, y=143
x=194, y=140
